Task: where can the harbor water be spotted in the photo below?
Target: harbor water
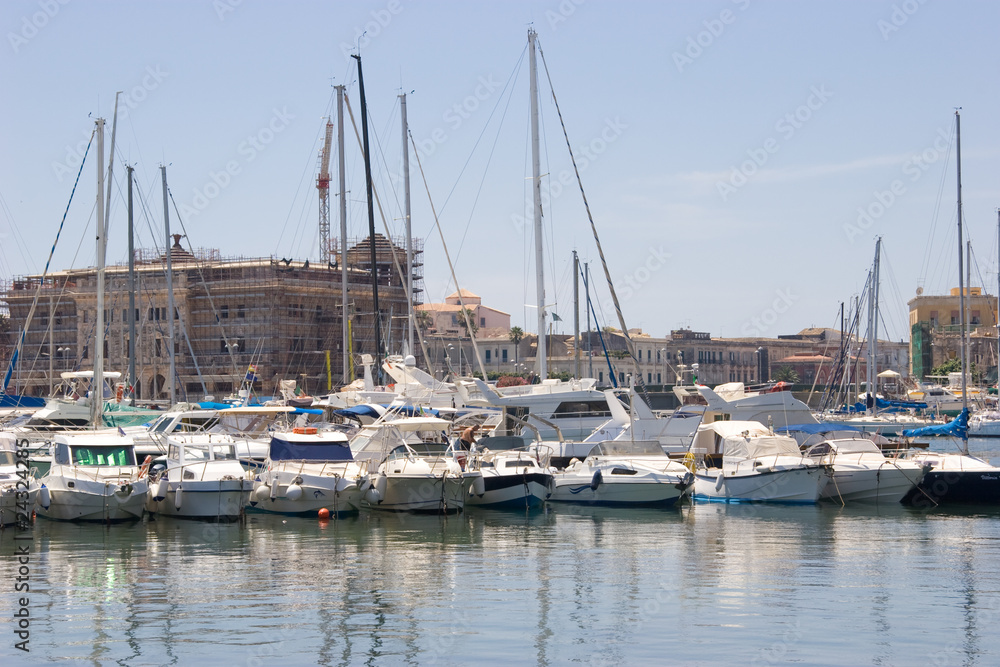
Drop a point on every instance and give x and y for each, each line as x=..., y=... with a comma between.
x=703, y=584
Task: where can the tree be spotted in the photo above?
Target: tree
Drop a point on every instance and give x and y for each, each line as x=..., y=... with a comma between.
x=516, y=336
x=786, y=374
x=955, y=366
x=467, y=320
x=424, y=320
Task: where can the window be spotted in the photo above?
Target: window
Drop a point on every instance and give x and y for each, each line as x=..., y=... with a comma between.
x=488, y=356
x=649, y=378
x=241, y=311
x=954, y=317
x=600, y=376
x=659, y=380
x=224, y=311
x=503, y=355
x=975, y=319
x=297, y=345
x=159, y=347
x=482, y=321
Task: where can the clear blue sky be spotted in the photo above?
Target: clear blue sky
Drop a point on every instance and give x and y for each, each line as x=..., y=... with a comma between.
x=729, y=144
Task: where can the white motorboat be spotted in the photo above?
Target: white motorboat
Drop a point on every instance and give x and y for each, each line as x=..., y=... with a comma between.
x=203, y=479
x=93, y=477
x=573, y=408
x=985, y=424
x=18, y=487
x=513, y=477
x=862, y=473
x=308, y=469
x=623, y=473
x=409, y=466
x=756, y=466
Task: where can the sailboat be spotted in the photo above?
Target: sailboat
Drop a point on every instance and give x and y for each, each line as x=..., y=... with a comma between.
x=955, y=478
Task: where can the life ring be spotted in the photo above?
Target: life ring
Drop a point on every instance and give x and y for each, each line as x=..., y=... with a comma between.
x=144, y=468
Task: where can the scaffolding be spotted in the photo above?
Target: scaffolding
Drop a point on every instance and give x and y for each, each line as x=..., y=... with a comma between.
x=270, y=318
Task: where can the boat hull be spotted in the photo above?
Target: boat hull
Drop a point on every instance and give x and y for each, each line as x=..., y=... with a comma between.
x=887, y=484
x=966, y=487
x=15, y=508
x=337, y=495
x=613, y=490
x=790, y=486
x=94, y=501
x=438, y=494
x=518, y=491
x=212, y=500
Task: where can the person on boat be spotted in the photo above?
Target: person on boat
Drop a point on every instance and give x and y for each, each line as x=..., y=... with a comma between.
x=468, y=438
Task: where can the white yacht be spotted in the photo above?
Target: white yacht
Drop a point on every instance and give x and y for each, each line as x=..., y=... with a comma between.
x=93, y=477
x=756, y=465
x=862, y=473
x=202, y=479
x=409, y=466
x=18, y=487
x=623, y=473
x=512, y=475
x=308, y=469
x=575, y=407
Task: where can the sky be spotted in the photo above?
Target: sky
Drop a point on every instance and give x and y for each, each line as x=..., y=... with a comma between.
x=739, y=157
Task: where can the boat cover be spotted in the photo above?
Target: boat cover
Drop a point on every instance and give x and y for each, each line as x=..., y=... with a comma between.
x=956, y=428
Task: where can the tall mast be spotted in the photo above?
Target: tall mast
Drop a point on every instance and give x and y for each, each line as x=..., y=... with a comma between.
x=97, y=385
x=586, y=288
x=130, y=382
x=576, y=315
x=371, y=220
x=348, y=377
x=998, y=297
x=872, y=370
x=536, y=188
x=409, y=237
x=961, y=277
x=170, y=288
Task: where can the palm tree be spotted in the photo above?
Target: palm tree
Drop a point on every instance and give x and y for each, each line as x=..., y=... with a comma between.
x=515, y=335
x=424, y=320
x=786, y=374
x=467, y=320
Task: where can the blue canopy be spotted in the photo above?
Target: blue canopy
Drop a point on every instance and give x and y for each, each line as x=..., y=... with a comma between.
x=367, y=410
x=956, y=428
x=283, y=450
x=17, y=401
x=307, y=411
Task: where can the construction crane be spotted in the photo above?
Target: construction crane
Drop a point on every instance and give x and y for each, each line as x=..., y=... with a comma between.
x=323, y=185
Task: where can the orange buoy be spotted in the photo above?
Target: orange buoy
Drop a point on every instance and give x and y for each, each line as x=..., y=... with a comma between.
x=324, y=514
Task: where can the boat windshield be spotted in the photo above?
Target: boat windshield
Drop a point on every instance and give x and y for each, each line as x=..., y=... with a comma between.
x=103, y=456
x=6, y=457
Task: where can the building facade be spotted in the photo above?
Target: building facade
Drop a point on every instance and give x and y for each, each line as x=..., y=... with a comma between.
x=259, y=318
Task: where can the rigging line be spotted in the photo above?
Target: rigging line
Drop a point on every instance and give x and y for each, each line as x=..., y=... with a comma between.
x=22, y=245
x=392, y=250
x=38, y=291
x=465, y=311
x=511, y=79
x=937, y=207
x=600, y=251
x=291, y=206
x=201, y=275
x=482, y=181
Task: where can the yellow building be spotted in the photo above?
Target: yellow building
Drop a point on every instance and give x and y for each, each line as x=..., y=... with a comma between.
x=935, y=325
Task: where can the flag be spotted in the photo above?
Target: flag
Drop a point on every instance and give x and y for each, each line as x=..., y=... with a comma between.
x=121, y=431
x=556, y=318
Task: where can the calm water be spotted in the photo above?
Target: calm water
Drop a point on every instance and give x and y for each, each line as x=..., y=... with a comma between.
x=699, y=585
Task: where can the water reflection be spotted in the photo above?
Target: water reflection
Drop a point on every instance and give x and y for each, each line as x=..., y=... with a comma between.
x=701, y=583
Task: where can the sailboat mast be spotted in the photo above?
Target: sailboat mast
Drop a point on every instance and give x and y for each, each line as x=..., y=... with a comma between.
x=409, y=236
x=170, y=287
x=536, y=189
x=576, y=315
x=348, y=377
x=961, y=281
x=998, y=297
x=586, y=290
x=97, y=384
x=371, y=219
x=872, y=370
x=130, y=382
